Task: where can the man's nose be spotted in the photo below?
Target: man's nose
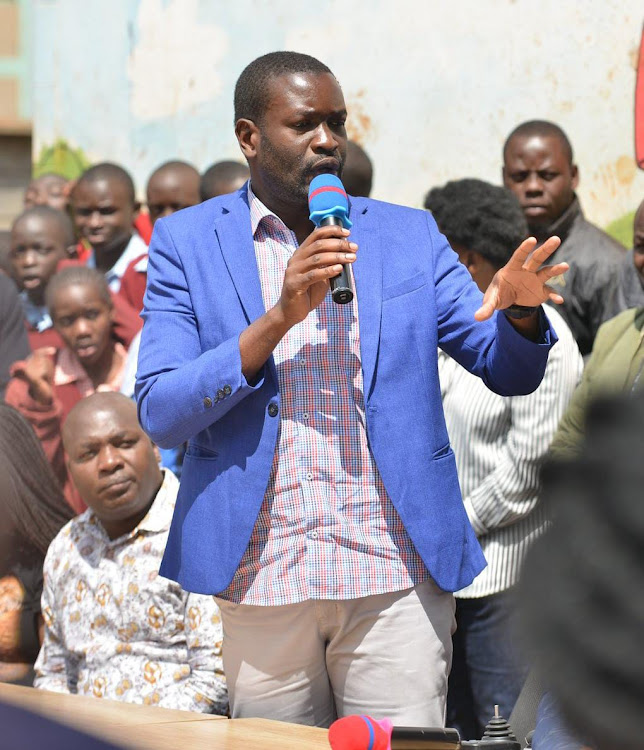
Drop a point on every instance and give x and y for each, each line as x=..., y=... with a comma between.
x=109, y=459
x=95, y=219
x=324, y=139
x=533, y=185
x=82, y=327
x=30, y=258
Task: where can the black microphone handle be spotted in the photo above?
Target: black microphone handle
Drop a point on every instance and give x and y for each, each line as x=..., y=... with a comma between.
x=341, y=291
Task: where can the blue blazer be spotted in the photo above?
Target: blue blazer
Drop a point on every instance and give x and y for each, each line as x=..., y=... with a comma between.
x=413, y=296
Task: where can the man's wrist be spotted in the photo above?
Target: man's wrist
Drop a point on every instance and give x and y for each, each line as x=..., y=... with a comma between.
x=518, y=312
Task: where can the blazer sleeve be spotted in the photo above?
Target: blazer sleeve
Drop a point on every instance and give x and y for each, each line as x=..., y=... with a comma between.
x=508, y=363
x=177, y=382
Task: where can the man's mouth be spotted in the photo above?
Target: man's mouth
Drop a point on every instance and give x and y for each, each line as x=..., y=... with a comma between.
x=326, y=166
x=31, y=282
x=116, y=487
x=85, y=350
x=534, y=209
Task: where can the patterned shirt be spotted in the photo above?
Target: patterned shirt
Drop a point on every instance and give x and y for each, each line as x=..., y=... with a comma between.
x=327, y=528
x=115, y=629
x=500, y=443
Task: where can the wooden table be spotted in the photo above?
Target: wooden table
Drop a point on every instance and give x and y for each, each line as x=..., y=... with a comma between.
x=152, y=728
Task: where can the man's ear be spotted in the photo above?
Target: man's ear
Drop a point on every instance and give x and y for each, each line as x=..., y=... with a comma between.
x=157, y=453
x=575, y=176
x=71, y=251
x=471, y=261
x=247, y=136
x=504, y=176
x=137, y=207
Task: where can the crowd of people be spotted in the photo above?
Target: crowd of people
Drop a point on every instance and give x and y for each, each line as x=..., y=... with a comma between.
x=88, y=497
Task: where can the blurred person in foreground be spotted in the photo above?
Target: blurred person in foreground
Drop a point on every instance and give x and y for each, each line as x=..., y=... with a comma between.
x=51, y=381
x=583, y=611
x=499, y=443
x=539, y=168
x=32, y=512
x=319, y=498
x=113, y=627
x=14, y=344
x=49, y=189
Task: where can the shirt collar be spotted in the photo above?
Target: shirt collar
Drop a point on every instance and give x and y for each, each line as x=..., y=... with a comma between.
x=134, y=249
x=562, y=226
x=37, y=315
x=258, y=211
x=68, y=369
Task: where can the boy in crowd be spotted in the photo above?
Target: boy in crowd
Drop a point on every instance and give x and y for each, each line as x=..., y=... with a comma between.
x=49, y=189
x=171, y=187
x=49, y=383
x=113, y=628
x=538, y=167
x=103, y=205
x=357, y=173
x=627, y=287
x=40, y=238
x=222, y=178
x=499, y=443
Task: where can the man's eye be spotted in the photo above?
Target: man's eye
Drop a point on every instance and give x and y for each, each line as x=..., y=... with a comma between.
x=519, y=176
x=65, y=322
x=87, y=455
x=92, y=314
x=548, y=176
x=107, y=211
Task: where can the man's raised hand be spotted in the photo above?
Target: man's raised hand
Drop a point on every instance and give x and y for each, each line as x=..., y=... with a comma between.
x=522, y=281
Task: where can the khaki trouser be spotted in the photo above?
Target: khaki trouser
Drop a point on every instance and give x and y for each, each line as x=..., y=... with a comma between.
x=387, y=655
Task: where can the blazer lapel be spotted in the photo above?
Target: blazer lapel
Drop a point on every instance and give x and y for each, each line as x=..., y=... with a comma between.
x=368, y=281
x=236, y=242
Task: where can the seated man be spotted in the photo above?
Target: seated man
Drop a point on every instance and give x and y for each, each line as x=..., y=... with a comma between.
x=538, y=167
x=113, y=628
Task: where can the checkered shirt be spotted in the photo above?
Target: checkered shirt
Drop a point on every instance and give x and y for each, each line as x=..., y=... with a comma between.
x=327, y=528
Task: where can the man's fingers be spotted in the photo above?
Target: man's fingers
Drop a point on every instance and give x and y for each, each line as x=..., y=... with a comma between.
x=552, y=295
x=550, y=272
x=520, y=255
x=541, y=254
x=485, y=311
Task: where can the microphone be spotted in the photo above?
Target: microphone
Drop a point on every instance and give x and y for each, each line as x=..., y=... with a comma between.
x=360, y=732
x=329, y=205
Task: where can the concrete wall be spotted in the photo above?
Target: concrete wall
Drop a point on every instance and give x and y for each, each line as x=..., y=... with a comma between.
x=432, y=87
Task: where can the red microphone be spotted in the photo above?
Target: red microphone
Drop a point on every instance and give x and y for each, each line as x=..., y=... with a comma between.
x=360, y=733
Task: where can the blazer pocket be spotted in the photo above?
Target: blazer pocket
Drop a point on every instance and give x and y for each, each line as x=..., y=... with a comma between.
x=200, y=451
x=405, y=286
x=443, y=452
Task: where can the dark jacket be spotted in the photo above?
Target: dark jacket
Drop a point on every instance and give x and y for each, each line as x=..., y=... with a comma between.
x=13, y=336
x=595, y=260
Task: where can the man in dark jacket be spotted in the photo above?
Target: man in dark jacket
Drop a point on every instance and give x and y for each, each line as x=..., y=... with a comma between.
x=538, y=168
x=13, y=336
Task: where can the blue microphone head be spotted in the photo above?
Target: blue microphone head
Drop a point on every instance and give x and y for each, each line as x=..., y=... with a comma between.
x=327, y=197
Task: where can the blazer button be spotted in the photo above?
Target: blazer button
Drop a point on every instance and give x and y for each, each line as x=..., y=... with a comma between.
x=207, y=402
x=273, y=409
x=227, y=390
x=220, y=394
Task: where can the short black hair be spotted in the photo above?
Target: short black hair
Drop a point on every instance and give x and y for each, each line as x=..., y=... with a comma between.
x=216, y=179
x=81, y=275
x=52, y=214
x=480, y=217
x=542, y=128
x=581, y=589
x=357, y=171
x=251, y=89
x=107, y=170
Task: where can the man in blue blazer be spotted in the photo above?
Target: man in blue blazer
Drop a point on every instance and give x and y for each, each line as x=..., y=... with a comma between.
x=319, y=498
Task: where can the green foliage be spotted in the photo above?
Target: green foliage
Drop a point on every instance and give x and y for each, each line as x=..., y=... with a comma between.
x=62, y=159
x=622, y=229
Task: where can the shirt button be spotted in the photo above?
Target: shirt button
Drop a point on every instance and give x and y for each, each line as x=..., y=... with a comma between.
x=207, y=402
x=273, y=409
x=220, y=394
x=314, y=535
x=227, y=390
x=305, y=415
x=302, y=361
x=309, y=476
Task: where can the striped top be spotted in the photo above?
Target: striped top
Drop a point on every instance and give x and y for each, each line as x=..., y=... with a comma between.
x=499, y=444
x=327, y=528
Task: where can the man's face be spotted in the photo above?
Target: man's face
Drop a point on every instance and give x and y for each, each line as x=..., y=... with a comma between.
x=48, y=190
x=537, y=170
x=301, y=135
x=37, y=245
x=112, y=462
x=84, y=320
x=103, y=212
x=170, y=191
x=638, y=242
